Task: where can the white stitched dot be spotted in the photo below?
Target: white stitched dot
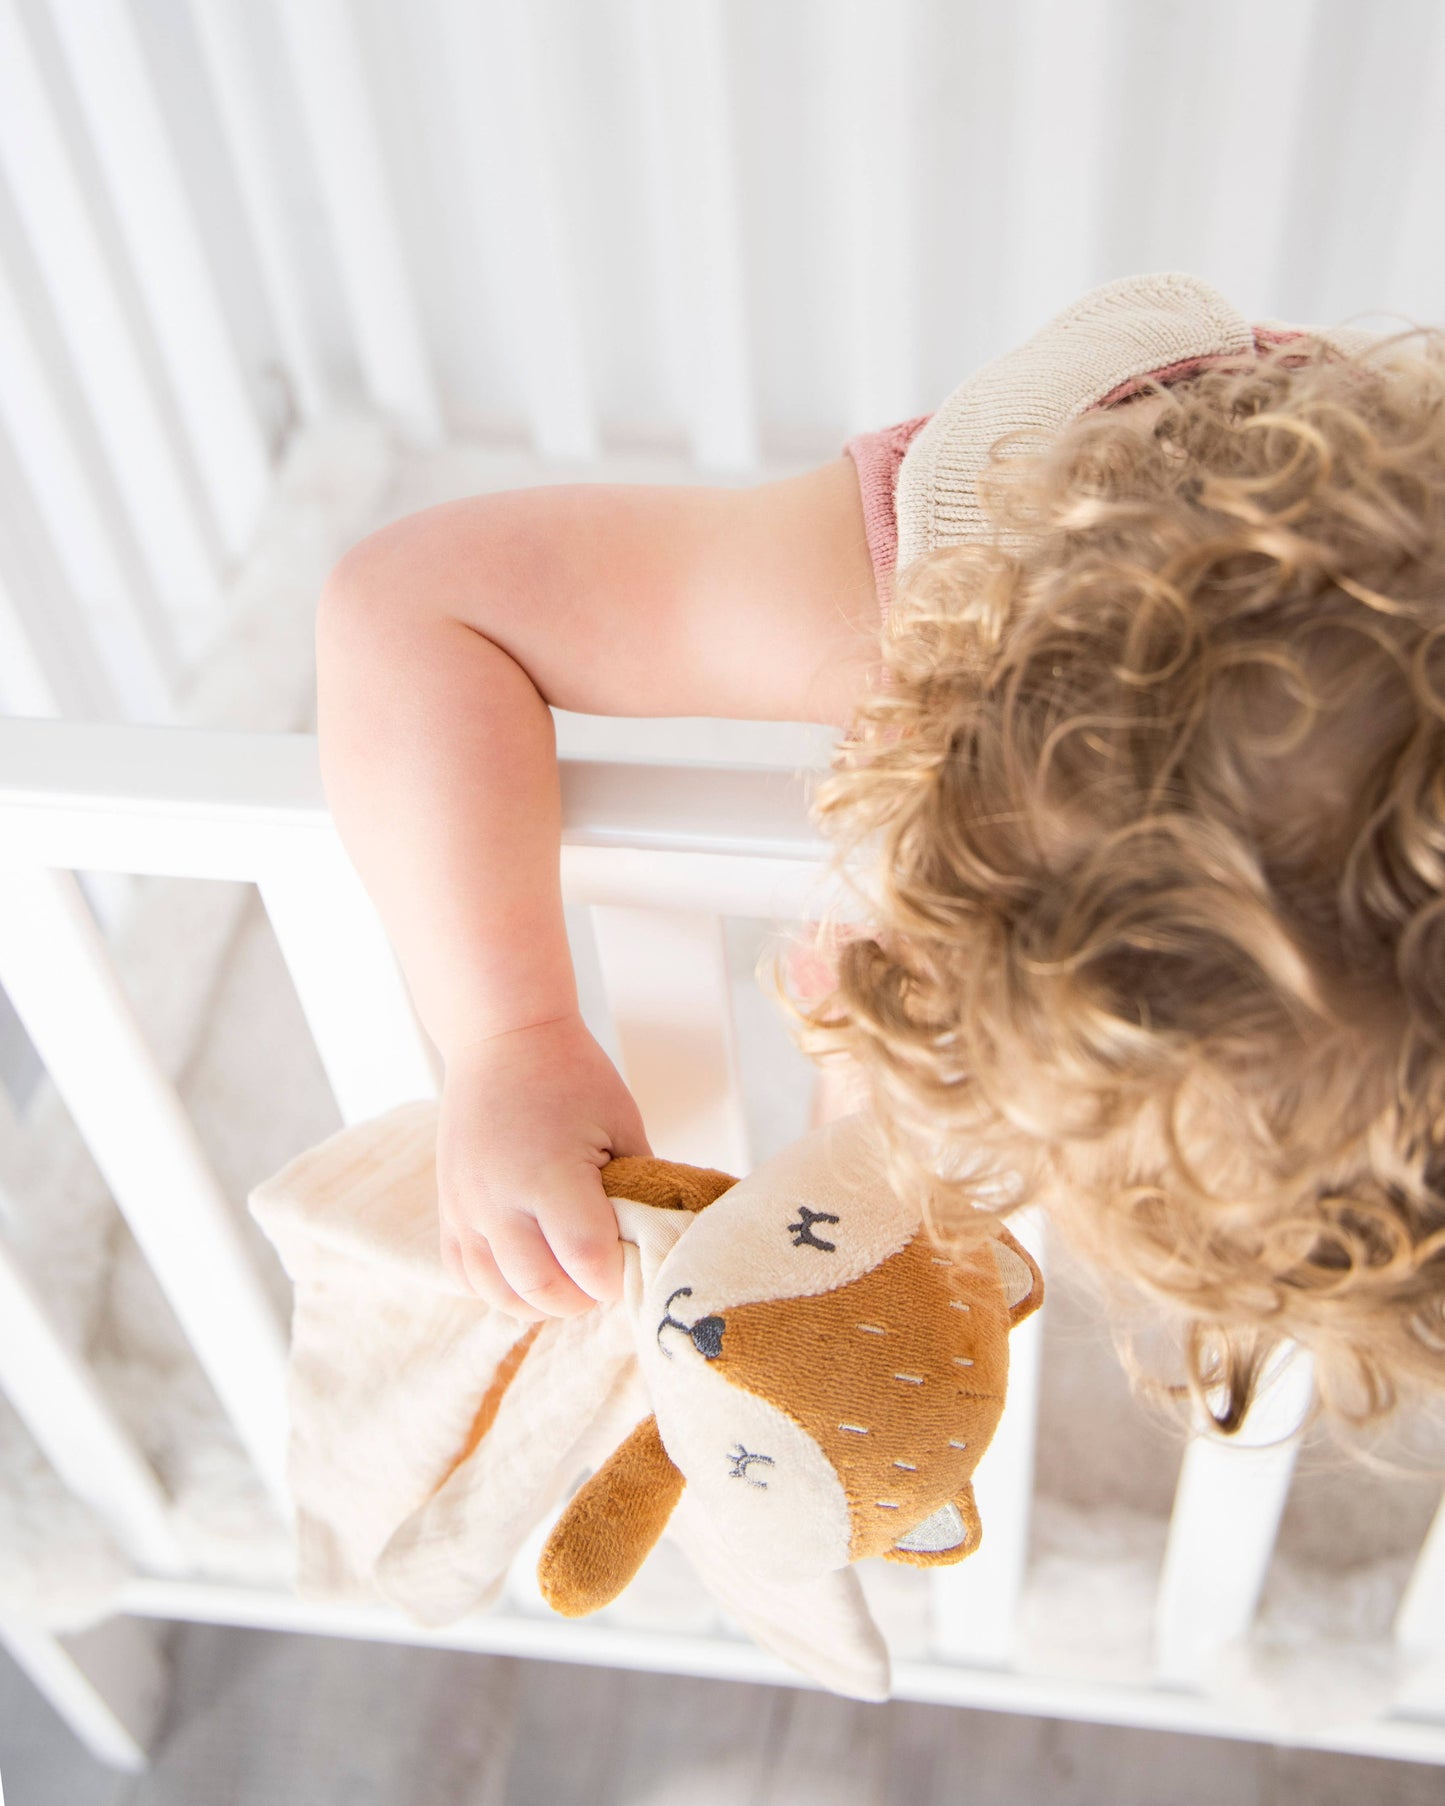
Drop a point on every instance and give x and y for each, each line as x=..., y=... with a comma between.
x=963, y=1360
x=857, y=1429
x=910, y=1379
x=956, y=1445
x=886, y=1504
x=941, y=1260
x=955, y=1305
x=871, y=1329
x=907, y=1466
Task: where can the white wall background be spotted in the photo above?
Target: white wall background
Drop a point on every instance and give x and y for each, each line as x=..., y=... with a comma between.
x=915, y=183
x=725, y=233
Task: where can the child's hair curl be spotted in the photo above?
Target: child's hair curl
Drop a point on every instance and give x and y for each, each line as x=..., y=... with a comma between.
x=1150, y=814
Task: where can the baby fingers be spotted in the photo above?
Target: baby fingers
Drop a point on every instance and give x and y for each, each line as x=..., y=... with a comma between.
x=470, y=1266
x=534, y=1269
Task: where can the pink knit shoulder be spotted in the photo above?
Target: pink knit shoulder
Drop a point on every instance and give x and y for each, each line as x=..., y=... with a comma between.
x=878, y=456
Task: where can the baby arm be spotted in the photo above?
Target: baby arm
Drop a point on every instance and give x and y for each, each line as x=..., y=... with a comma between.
x=442, y=639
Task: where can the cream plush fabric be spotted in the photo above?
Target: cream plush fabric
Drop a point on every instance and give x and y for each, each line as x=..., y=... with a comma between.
x=396, y=1496
x=389, y=1364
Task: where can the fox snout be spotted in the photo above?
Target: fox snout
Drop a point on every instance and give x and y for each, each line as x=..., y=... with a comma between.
x=706, y=1334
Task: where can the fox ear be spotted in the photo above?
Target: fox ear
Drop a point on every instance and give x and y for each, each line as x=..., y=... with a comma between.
x=953, y=1531
x=665, y=1184
x=610, y=1524
x=1023, y=1283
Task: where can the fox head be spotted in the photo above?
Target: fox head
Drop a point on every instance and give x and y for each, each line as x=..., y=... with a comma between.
x=824, y=1379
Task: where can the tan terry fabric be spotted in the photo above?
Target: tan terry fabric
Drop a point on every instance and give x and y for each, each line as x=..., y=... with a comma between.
x=610, y=1525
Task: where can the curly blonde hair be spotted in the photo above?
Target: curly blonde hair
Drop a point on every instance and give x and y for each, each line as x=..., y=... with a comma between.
x=1150, y=818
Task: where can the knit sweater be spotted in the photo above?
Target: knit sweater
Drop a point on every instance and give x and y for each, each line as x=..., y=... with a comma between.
x=919, y=478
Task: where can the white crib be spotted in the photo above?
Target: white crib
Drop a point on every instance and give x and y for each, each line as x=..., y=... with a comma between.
x=215, y=250
x=657, y=854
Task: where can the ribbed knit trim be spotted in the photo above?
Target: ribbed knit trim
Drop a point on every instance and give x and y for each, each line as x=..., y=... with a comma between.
x=1079, y=358
x=879, y=456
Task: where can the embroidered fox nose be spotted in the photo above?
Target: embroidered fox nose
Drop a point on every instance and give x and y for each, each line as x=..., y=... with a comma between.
x=707, y=1335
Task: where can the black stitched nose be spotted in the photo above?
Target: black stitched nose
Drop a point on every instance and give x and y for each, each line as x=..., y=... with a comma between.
x=707, y=1335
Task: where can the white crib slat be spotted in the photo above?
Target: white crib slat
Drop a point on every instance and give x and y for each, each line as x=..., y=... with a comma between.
x=1256, y=61
x=1415, y=280
x=1227, y=1508
x=1054, y=159
x=131, y=638
x=326, y=61
x=82, y=292
x=1420, y=1620
x=25, y=685
x=493, y=64
x=692, y=185
x=41, y=608
x=875, y=43
x=975, y=1605
x=1370, y=95
x=348, y=982
x=665, y=973
x=140, y=170
x=109, y=1684
x=81, y=1437
x=56, y=969
x=234, y=81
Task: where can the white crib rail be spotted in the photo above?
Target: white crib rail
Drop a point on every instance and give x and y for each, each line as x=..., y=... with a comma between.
x=337, y=112
x=144, y=184
x=92, y=1452
x=58, y=974
x=374, y=1051
x=100, y=349
x=656, y=851
x=1227, y=1510
x=976, y=1604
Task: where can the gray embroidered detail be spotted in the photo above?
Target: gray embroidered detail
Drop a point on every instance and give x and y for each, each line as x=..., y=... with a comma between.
x=857, y=1429
x=802, y=1230
x=706, y=1334
x=741, y=1460
x=945, y=1529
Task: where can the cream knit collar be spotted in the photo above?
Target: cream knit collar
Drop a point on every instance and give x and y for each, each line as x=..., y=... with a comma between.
x=1115, y=333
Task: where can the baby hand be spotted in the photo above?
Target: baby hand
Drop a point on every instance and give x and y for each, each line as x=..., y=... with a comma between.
x=527, y=1121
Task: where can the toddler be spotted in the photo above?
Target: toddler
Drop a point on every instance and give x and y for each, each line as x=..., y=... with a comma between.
x=1143, y=779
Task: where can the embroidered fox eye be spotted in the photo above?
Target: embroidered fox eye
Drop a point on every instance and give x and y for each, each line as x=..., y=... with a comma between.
x=802, y=1230
x=741, y=1459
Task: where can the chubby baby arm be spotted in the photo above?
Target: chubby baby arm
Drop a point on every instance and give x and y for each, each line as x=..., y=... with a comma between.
x=442, y=639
